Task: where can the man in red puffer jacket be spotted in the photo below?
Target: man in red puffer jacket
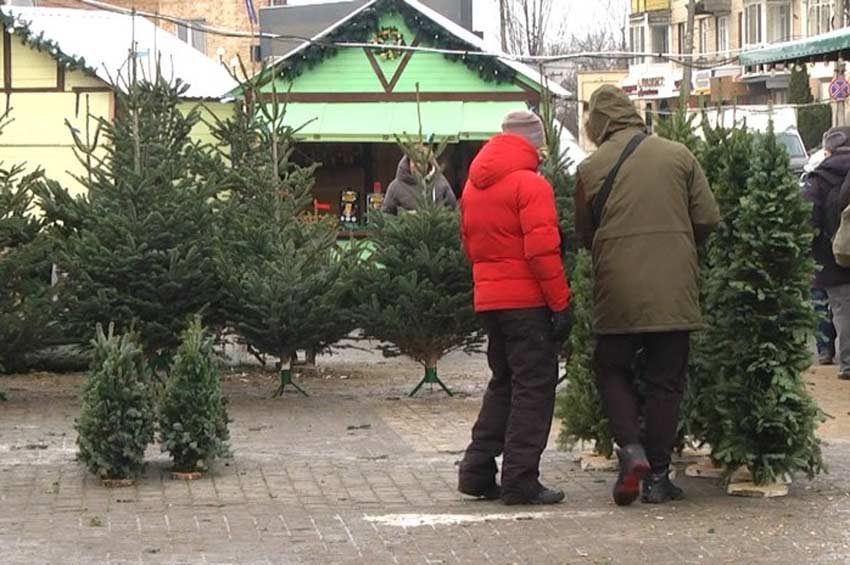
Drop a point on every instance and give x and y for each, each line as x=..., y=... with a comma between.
x=511, y=236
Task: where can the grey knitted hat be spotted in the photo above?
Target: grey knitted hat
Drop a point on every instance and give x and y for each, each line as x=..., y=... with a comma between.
x=527, y=124
x=836, y=139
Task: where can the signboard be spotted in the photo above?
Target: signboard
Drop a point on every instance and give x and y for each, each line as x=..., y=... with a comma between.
x=839, y=89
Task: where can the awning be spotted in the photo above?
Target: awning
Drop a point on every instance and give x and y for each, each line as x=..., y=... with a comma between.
x=380, y=122
x=826, y=47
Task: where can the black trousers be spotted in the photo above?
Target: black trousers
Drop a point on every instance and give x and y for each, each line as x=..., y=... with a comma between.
x=665, y=369
x=516, y=414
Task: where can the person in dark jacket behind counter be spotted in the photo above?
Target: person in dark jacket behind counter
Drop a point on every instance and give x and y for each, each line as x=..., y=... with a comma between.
x=828, y=189
x=404, y=193
x=511, y=237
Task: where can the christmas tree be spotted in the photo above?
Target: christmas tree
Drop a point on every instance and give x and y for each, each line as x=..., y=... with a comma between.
x=116, y=420
x=556, y=168
x=136, y=246
x=726, y=157
x=762, y=322
x=287, y=280
x=192, y=415
x=813, y=120
x=418, y=282
x=680, y=127
x=26, y=306
x=579, y=405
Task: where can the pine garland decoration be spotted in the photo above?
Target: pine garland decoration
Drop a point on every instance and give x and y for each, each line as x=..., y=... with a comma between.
x=360, y=29
x=19, y=27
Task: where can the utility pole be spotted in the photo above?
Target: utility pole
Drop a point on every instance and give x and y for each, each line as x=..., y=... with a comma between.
x=503, y=21
x=687, y=72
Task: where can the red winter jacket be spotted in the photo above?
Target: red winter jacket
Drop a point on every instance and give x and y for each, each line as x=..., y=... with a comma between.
x=510, y=230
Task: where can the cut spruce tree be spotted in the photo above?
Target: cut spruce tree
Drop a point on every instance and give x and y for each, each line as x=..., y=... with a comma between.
x=287, y=281
x=26, y=305
x=417, y=284
x=116, y=421
x=136, y=244
x=765, y=419
x=680, y=126
x=813, y=120
x=579, y=405
x=726, y=157
x=192, y=413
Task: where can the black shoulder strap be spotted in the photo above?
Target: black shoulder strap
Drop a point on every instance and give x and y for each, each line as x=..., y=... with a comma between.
x=599, y=201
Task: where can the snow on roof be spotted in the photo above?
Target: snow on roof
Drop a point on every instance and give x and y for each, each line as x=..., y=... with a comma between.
x=455, y=29
x=102, y=39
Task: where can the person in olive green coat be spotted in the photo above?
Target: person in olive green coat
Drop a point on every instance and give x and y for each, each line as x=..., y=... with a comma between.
x=646, y=287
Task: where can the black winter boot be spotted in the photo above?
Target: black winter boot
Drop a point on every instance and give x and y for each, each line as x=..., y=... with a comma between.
x=544, y=496
x=658, y=489
x=633, y=468
x=493, y=492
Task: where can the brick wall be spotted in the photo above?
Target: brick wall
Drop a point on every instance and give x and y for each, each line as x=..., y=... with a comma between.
x=225, y=14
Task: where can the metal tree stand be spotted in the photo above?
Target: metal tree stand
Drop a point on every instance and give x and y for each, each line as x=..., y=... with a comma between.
x=431, y=378
x=286, y=380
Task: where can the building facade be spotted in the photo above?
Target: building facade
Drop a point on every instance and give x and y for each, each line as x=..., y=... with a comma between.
x=224, y=14
x=722, y=29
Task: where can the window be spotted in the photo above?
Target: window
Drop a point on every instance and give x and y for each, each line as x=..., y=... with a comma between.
x=778, y=22
x=194, y=37
x=721, y=25
x=752, y=23
x=680, y=36
x=637, y=35
x=703, y=35
x=740, y=30
x=819, y=16
x=660, y=40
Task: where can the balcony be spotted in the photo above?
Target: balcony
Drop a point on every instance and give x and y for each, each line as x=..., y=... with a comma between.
x=643, y=6
x=715, y=6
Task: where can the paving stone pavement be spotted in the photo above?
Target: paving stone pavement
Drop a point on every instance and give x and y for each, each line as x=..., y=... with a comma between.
x=358, y=473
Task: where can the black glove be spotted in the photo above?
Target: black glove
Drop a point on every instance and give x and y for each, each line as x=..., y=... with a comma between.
x=562, y=324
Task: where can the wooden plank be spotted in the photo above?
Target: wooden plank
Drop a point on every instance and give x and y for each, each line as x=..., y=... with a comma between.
x=377, y=68
x=7, y=60
x=60, y=77
x=404, y=62
x=354, y=97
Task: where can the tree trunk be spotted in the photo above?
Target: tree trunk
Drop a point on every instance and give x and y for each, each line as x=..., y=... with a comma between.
x=688, y=51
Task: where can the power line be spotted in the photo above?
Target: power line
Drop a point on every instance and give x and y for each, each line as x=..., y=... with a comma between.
x=697, y=61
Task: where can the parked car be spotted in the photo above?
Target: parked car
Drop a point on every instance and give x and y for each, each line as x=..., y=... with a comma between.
x=792, y=141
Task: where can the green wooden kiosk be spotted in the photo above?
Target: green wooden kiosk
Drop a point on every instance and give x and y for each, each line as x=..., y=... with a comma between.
x=352, y=101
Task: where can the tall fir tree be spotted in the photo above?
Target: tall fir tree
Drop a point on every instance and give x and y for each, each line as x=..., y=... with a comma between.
x=26, y=305
x=726, y=157
x=418, y=283
x=136, y=245
x=763, y=320
x=288, y=283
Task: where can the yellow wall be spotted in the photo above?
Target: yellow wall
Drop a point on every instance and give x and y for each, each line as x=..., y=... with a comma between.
x=588, y=83
x=39, y=135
